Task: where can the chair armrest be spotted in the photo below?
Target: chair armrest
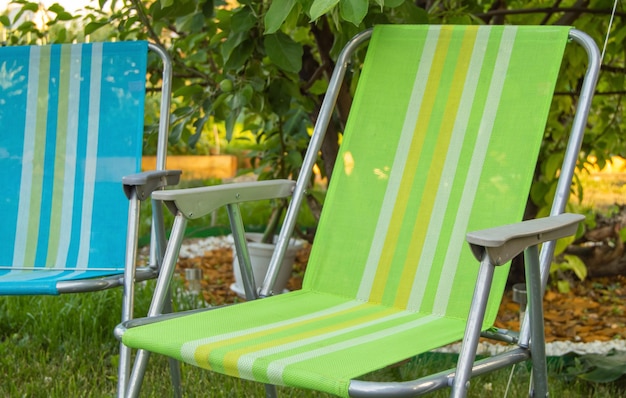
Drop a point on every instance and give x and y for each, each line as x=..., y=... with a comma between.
x=505, y=242
x=197, y=202
x=149, y=181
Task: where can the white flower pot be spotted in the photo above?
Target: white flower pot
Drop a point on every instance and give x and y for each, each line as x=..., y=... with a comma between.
x=260, y=255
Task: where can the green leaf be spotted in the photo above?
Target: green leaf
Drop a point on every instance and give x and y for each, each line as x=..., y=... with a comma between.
x=34, y=7
x=606, y=368
x=319, y=87
x=166, y=3
x=56, y=8
x=284, y=52
x=321, y=7
x=191, y=23
x=577, y=265
x=93, y=26
x=64, y=16
x=232, y=42
x=4, y=20
x=188, y=91
x=243, y=20
x=27, y=26
x=239, y=55
x=393, y=3
x=563, y=286
x=553, y=164
x=353, y=10
x=61, y=36
x=176, y=132
x=230, y=121
x=562, y=244
x=276, y=15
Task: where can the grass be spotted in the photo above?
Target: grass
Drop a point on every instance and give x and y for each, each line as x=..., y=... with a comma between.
x=64, y=347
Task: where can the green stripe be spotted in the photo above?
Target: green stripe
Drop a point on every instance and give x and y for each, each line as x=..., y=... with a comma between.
x=426, y=49
x=441, y=131
x=59, y=161
x=38, y=157
x=416, y=178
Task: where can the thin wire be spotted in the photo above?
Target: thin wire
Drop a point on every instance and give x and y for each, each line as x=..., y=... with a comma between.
x=608, y=31
x=508, y=384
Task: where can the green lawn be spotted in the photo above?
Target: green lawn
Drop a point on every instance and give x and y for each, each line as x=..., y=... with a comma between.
x=64, y=347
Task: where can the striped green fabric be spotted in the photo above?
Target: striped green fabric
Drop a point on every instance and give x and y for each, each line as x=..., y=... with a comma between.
x=442, y=139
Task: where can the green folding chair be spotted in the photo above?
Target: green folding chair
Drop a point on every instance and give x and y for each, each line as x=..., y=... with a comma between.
x=440, y=145
x=72, y=120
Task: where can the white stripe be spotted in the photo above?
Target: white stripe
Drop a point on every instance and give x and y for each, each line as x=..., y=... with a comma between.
x=92, y=153
x=82, y=269
x=188, y=349
x=26, y=181
x=451, y=163
x=245, y=362
x=451, y=261
x=276, y=369
x=69, y=179
x=397, y=170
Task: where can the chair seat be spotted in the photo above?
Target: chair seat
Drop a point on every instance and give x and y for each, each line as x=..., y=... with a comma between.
x=44, y=281
x=302, y=339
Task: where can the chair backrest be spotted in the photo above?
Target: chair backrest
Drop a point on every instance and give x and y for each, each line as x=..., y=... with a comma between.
x=72, y=126
x=442, y=138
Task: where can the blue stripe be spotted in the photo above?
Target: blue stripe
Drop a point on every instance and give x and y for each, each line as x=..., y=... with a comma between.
x=83, y=120
x=117, y=155
x=13, y=96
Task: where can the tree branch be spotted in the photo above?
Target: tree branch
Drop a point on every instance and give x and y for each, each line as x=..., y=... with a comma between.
x=550, y=10
x=146, y=22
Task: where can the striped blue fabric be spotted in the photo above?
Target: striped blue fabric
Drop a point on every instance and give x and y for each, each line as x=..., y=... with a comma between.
x=72, y=127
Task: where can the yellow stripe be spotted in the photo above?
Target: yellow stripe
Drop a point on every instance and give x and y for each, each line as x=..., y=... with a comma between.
x=234, y=355
x=59, y=161
x=39, y=152
x=419, y=136
x=201, y=354
x=437, y=166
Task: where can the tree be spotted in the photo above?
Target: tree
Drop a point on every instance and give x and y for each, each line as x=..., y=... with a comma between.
x=263, y=66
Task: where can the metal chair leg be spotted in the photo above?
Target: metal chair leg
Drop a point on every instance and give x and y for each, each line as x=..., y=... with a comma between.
x=174, y=364
x=160, y=301
x=472, y=330
x=537, y=335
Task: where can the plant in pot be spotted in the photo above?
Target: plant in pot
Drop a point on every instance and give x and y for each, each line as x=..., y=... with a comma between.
x=276, y=154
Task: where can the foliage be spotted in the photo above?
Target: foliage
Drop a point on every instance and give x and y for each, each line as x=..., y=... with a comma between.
x=564, y=263
x=596, y=368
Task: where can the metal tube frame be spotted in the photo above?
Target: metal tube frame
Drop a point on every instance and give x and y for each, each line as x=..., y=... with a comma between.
x=129, y=286
x=158, y=237
x=241, y=248
x=535, y=310
x=159, y=300
x=475, y=319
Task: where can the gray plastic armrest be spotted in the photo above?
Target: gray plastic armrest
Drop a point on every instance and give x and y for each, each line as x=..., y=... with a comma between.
x=505, y=242
x=149, y=181
x=197, y=202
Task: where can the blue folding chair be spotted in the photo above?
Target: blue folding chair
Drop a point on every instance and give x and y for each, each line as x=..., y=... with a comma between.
x=72, y=130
